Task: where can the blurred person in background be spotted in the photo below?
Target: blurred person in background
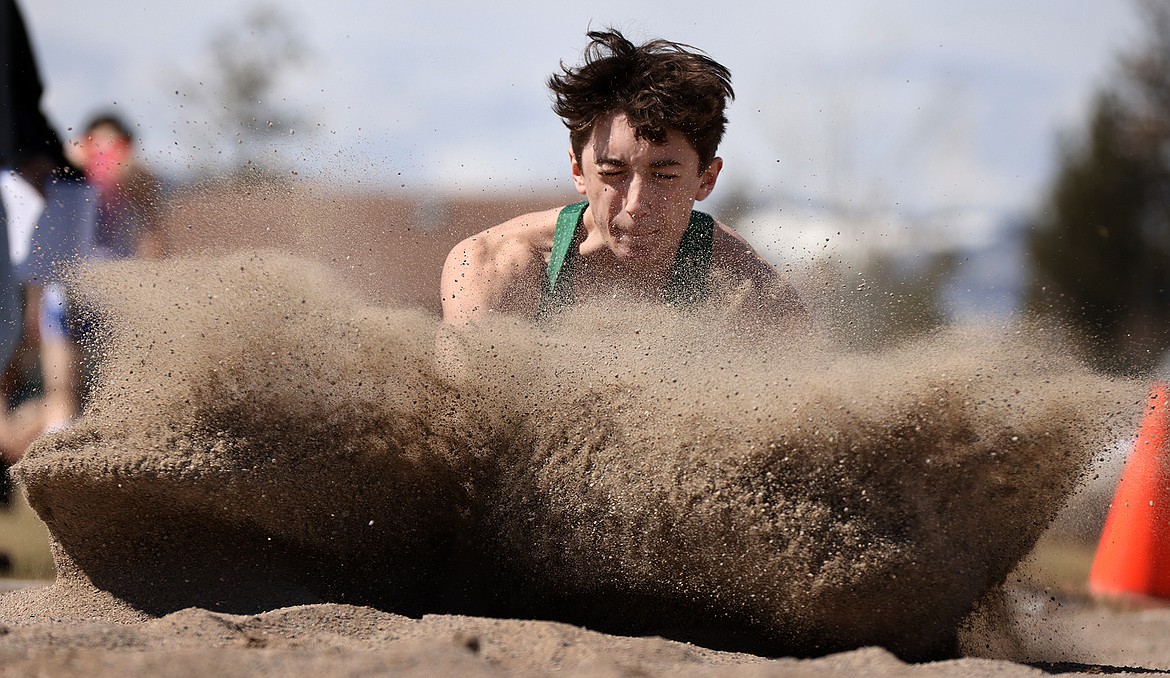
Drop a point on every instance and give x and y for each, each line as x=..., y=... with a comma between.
x=126, y=198
x=127, y=192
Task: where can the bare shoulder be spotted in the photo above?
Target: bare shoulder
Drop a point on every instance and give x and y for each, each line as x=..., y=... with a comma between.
x=763, y=290
x=511, y=243
x=732, y=253
x=498, y=269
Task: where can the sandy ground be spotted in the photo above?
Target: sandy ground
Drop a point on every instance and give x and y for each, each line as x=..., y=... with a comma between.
x=1062, y=637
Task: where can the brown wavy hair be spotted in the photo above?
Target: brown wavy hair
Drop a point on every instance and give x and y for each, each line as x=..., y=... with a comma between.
x=659, y=85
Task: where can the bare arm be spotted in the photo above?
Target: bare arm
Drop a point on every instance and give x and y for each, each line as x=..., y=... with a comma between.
x=493, y=271
x=762, y=294
x=466, y=287
x=467, y=296
x=498, y=270
x=483, y=275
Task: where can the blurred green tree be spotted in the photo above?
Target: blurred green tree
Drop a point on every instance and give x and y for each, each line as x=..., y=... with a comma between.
x=1100, y=249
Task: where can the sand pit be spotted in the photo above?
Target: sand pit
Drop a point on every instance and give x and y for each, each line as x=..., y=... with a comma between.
x=260, y=439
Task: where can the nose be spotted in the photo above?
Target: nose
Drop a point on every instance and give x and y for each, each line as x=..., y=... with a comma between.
x=637, y=200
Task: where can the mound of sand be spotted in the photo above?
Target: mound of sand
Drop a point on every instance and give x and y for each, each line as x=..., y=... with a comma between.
x=259, y=438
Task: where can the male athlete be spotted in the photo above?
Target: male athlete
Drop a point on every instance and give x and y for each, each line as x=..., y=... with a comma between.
x=644, y=122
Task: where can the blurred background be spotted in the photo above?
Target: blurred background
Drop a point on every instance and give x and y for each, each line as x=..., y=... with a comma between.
x=922, y=162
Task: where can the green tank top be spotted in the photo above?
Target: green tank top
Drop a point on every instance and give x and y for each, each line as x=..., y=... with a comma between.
x=690, y=277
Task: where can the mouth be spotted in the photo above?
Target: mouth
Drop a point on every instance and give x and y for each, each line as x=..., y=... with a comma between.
x=633, y=236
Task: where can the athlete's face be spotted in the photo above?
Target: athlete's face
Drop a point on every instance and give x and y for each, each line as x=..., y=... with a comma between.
x=640, y=193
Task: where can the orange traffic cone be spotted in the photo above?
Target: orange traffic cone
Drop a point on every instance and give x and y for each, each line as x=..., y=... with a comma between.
x=1133, y=554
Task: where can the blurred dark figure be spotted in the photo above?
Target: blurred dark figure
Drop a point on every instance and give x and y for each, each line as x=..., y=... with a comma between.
x=127, y=191
x=31, y=148
x=124, y=225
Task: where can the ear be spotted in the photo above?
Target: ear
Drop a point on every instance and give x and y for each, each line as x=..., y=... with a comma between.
x=710, y=175
x=578, y=175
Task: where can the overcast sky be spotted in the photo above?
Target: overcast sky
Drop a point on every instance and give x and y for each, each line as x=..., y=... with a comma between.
x=918, y=103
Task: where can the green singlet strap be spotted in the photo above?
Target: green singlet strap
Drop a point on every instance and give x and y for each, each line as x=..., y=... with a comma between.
x=690, y=279
x=567, y=222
